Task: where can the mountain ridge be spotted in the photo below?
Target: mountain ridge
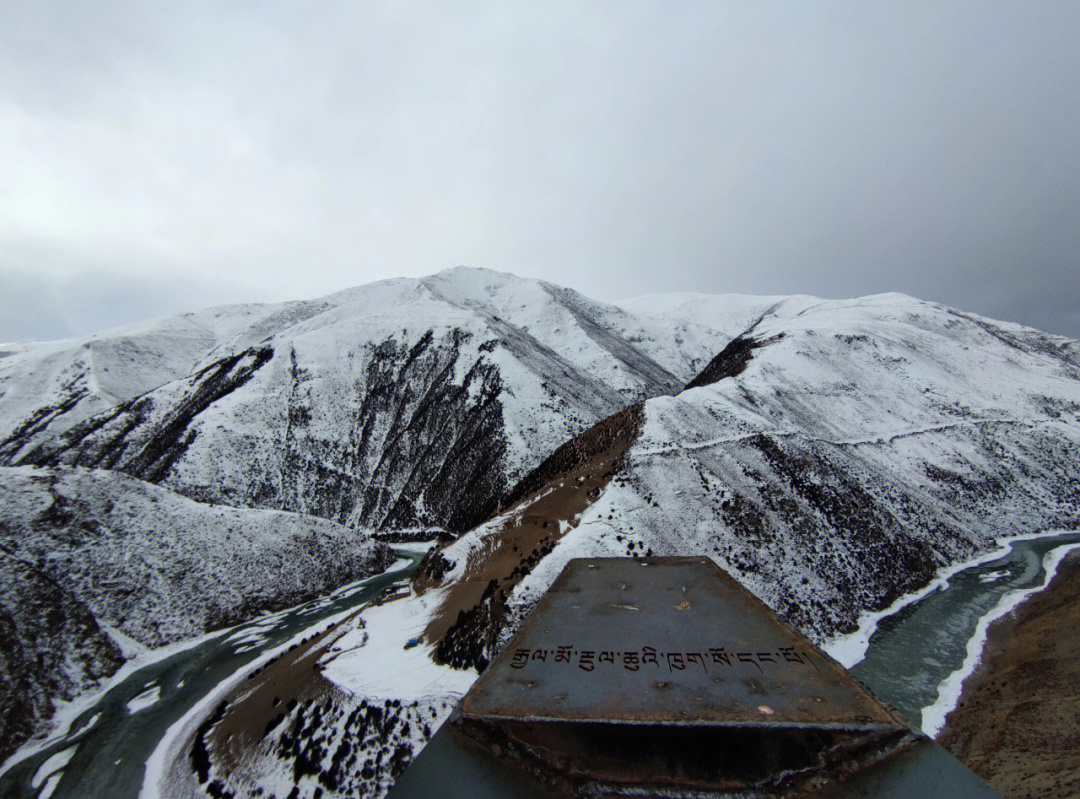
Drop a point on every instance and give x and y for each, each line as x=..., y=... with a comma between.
x=377, y=358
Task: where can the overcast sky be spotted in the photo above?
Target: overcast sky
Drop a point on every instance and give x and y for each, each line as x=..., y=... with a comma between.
x=157, y=157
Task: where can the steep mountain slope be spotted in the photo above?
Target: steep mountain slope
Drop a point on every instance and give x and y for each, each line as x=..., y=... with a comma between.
x=836, y=458
x=399, y=404
x=53, y=385
x=90, y=553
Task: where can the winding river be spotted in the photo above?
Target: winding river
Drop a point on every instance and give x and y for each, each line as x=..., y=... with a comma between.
x=914, y=652
x=114, y=737
x=914, y=655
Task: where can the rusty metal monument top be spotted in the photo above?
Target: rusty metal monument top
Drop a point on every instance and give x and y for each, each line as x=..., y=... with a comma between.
x=667, y=641
x=664, y=677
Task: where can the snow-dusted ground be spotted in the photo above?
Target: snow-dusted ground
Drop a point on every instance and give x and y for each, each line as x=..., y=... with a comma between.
x=159, y=567
x=392, y=669
x=731, y=314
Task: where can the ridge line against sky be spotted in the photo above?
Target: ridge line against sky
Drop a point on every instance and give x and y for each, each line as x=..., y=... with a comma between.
x=161, y=159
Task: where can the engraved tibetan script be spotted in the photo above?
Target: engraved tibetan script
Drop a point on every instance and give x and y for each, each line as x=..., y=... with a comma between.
x=648, y=658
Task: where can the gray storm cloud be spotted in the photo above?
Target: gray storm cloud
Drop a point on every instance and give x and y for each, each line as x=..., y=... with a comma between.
x=176, y=155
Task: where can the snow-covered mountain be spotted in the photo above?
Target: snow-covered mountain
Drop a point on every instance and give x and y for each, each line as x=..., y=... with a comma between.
x=838, y=453
x=730, y=314
x=95, y=563
x=397, y=404
x=833, y=455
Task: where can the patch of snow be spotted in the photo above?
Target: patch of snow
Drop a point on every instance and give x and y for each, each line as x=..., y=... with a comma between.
x=129, y=647
x=416, y=546
x=373, y=661
x=993, y=577
x=88, y=725
x=50, y=785
x=53, y=764
x=144, y=699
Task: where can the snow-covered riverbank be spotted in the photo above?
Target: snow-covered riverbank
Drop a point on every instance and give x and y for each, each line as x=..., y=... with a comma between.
x=170, y=750
x=851, y=648
x=950, y=691
x=917, y=653
x=112, y=738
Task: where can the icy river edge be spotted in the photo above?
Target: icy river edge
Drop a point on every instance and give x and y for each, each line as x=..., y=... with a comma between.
x=918, y=653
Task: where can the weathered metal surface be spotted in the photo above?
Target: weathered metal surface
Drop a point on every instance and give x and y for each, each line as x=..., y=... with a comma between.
x=453, y=767
x=663, y=676
x=921, y=771
x=668, y=641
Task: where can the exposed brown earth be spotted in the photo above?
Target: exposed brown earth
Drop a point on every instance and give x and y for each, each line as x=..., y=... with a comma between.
x=1018, y=722
x=540, y=510
x=275, y=694
x=268, y=693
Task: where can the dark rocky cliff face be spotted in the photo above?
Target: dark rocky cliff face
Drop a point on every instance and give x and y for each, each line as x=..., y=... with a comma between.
x=422, y=445
x=731, y=360
x=423, y=449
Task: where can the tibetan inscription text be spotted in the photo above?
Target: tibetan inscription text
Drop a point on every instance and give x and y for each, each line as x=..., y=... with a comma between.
x=648, y=657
